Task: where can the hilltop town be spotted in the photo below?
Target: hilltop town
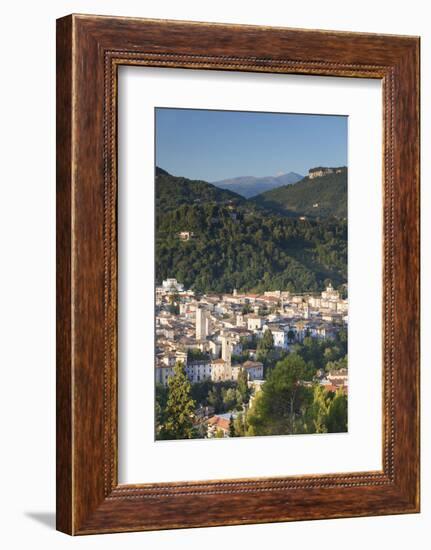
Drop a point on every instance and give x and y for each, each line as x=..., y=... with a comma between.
x=218, y=338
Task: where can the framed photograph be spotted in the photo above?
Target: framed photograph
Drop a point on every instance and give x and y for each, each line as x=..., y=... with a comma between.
x=237, y=274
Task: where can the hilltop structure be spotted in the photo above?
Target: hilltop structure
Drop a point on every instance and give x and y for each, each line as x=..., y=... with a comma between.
x=320, y=171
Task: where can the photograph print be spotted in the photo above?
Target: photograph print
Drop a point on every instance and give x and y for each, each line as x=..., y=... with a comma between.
x=251, y=297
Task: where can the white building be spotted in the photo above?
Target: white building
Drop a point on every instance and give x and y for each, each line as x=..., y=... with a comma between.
x=314, y=301
x=254, y=370
x=181, y=356
x=185, y=235
x=342, y=306
x=273, y=293
x=169, y=359
x=163, y=373
x=330, y=294
x=338, y=376
x=198, y=371
x=254, y=322
x=240, y=321
x=319, y=172
x=279, y=335
x=170, y=286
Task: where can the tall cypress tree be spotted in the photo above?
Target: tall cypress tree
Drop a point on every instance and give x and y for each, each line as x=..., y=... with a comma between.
x=180, y=406
x=243, y=385
x=337, y=414
x=267, y=342
x=317, y=414
x=231, y=427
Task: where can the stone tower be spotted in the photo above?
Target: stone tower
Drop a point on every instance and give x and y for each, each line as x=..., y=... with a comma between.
x=226, y=348
x=202, y=323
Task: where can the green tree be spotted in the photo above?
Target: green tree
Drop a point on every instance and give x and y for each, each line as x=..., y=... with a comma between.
x=160, y=406
x=337, y=414
x=231, y=427
x=248, y=343
x=235, y=358
x=200, y=391
x=180, y=406
x=337, y=365
x=266, y=343
x=317, y=413
x=240, y=425
x=265, y=347
x=275, y=408
x=215, y=399
x=173, y=306
x=341, y=339
x=331, y=353
x=196, y=354
x=229, y=398
x=243, y=388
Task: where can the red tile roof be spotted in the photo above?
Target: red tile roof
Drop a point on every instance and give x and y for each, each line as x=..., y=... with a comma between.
x=219, y=422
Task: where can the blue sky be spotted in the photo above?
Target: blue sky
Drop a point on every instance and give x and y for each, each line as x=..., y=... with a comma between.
x=215, y=145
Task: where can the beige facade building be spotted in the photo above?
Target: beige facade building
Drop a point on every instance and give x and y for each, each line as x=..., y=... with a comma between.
x=254, y=322
x=203, y=323
x=220, y=370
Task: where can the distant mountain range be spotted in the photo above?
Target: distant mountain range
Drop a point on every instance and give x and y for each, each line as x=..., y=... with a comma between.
x=250, y=186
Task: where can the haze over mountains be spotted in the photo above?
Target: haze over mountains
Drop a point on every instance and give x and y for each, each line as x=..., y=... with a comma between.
x=250, y=186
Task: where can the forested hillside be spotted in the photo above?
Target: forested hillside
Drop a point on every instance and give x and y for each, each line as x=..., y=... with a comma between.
x=320, y=197
x=236, y=244
x=172, y=191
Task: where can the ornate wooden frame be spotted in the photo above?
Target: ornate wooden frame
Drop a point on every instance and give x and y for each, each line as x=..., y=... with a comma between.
x=89, y=51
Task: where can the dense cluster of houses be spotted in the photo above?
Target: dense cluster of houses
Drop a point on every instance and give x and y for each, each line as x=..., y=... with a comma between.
x=214, y=337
